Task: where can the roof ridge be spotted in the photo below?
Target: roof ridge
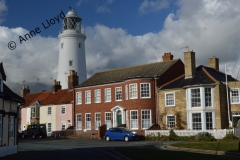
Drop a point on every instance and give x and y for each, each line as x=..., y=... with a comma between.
x=208, y=74
x=173, y=80
x=136, y=66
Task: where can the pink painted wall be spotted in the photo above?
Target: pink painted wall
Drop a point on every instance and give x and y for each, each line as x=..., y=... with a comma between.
x=64, y=117
x=23, y=118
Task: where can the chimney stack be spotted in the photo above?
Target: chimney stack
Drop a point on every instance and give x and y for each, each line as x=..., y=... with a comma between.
x=189, y=64
x=56, y=86
x=214, y=63
x=72, y=79
x=167, y=57
x=24, y=91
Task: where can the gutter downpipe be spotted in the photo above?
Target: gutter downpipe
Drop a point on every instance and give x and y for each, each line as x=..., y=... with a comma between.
x=230, y=123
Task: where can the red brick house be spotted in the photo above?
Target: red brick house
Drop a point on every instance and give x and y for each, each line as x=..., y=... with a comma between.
x=125, y=96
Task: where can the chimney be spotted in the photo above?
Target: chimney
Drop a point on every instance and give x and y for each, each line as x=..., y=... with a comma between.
x=24, y=91
x=214, y=63
x=72, y=79
x=190, y=64
x=167, y=57
x=56, y=86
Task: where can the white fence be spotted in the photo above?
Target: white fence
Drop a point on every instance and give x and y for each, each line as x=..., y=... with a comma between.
x=217, y=133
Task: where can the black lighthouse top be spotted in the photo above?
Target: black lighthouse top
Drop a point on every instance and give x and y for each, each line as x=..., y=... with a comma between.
x=72, y=21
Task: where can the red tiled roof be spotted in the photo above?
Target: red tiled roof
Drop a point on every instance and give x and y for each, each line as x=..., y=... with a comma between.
x=64, y=96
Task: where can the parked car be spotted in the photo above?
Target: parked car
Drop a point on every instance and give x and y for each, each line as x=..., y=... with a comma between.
x=35, y=131
x=120, y=133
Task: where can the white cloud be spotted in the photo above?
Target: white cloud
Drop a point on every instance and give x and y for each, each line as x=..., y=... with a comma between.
x=80, y=2
x=210, y=28
x=153, y=6
x=3, y=10
x=104, y=6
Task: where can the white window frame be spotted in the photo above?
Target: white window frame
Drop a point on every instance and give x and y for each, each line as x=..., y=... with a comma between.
x=63, y=110
x=231, y=91
x=208, y=98
x=133, y=94
x=197, y=128
x=108, y=121
x=79, y=121
x=97, y=96
x=144, y=119
x=97, y=120
x=88, y=97
x=195, y=98
x=49, y=110
x=37, y=111
x=0, y=126
x=132, y=120
x=169, y=99
x=79, y=97
x=209, y=119
x=63, y=123
x=49, y=127
x=107, y=93
x=169, y=123
x=88, y=123
x=118, y=94
x=11, y=127
x=142, y=91
x=126, y=92
x=33, y=113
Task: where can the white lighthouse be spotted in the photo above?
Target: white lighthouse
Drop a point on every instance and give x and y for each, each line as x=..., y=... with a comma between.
x=72, y=49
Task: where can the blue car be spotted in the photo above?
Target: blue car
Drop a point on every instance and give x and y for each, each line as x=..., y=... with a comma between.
x=120, y=133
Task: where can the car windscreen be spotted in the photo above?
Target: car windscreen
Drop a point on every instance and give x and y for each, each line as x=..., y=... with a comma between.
x=126, y=130
x=42, y=126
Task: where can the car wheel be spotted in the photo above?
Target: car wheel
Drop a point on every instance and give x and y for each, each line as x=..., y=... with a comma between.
x=33, y=136
x=107, y=138
x=126, y=138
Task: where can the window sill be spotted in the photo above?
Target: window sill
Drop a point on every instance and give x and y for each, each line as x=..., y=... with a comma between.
x=78, y=103
x=118, y=100
x=145, y=97
x=97, y=102
x=87, y=103
x=107, y=101
x=169, y=105
x=78, y=129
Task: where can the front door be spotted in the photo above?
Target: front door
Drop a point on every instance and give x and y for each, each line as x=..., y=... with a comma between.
x=119, y=118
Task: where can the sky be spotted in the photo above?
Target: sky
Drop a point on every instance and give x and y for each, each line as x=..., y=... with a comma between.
x=119, y=34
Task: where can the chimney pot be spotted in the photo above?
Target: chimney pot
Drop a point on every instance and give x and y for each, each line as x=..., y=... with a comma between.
x=167, y=56
x=189, y=64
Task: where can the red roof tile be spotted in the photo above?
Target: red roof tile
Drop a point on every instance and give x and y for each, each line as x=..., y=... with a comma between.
x=64, y=96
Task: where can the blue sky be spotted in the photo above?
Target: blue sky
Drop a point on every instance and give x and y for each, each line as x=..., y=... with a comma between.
x=120, y=33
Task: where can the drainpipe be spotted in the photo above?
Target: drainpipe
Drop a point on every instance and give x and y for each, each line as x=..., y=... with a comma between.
x=156, y=100
x=230, y=122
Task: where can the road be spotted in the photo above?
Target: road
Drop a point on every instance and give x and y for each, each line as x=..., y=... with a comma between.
x=71, y=149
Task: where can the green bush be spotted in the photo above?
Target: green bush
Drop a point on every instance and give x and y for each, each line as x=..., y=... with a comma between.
x=229, y=136
x=204, y=136
x=172, y=136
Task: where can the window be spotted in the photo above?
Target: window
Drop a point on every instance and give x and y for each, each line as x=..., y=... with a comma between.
x=70, y=63
x=146, y=119
x=88, y=121
x=63, y=125
x=37, y=111
x=49, y=127
x=79, y=121
x=133, y=91
x=118, y=94
x=61, y=45
x=234, y=96
x=0, y=126
x=126, y=92
x=108, y=95
x=79, y=98
x=195, y=97
x=1, y=88
x=108, y=119
x=145, y=90
x=87, y=97
x=63, y=109
x=170, y=121
x=170, y=99
x=97, y=96
x=196, y=121
x=209, y=121
x=33, y=110
x=11, y=127
x=49, y=110
x=134, y=119
x=79, y=45
x=208, y=97
x=97, y=120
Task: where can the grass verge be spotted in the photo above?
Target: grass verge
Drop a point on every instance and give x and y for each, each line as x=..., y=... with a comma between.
x=229, y=146
x=144, y=153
